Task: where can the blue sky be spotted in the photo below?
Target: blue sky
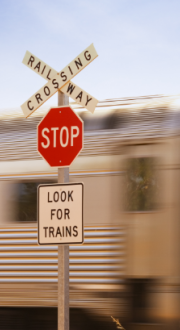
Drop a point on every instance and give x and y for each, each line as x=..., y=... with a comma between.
x=138, y=43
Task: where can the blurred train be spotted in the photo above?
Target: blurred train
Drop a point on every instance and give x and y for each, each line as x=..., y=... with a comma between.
x=128, y=266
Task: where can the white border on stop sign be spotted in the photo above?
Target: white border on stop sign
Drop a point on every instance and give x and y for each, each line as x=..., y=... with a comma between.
x=55, y=107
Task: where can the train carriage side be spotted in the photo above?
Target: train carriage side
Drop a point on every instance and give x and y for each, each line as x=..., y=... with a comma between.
x=128, y=265
x=28, y=274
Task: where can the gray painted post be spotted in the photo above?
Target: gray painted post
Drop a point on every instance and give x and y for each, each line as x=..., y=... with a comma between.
x=63, y=252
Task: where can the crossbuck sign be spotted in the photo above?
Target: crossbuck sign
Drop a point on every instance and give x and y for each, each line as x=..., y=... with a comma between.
x=60, y=81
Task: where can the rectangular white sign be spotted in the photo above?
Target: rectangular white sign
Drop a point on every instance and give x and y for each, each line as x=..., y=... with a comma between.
x=58, y=80
x=60, y=213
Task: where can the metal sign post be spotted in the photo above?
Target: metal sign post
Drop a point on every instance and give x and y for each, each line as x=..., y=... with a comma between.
x=61, y=81
x=63, y=252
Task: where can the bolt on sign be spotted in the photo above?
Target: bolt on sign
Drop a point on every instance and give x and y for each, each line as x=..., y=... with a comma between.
x=60, y=213
x=60, y=136
x=60, y=81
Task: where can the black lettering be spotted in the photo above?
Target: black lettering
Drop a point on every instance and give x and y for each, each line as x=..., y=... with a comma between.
x=43, y=69
x=31, y=60
x=49, y=199
x=87, y=57
x=63, y=231
x=63, y=76
x=37, y=66
x=74, y=230
x=58, y=232
x=51, y=231
x=70, y=88
x=63, y=198
x=38, y=97
x=66, y=212
x=68, y=231
x=52, y=213
x=70, y=195
x=29, y=106
x=47, y=91
x=55, y=83
x=88, y=100
x=45, y=228
x=48, y=75
x=79, y=96
x=70, y=70
x=56, y=196
x=59, y=214
x=78, y=63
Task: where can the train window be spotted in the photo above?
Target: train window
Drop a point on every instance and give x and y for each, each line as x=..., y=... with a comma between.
x=26, y=201
x=141, y=184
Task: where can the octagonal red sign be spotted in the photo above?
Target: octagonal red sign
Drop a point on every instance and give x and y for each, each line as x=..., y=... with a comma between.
x=60, y=136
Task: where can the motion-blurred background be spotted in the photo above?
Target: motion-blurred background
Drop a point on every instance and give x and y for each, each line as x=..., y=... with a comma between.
x=128, y=266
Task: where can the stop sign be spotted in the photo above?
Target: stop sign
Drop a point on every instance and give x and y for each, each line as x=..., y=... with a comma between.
x=60, y=136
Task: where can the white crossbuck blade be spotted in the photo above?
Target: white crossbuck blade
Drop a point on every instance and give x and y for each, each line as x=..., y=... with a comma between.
x=60, y=81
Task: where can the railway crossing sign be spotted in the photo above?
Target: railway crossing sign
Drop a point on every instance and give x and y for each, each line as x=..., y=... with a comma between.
x=60, y=213
x=60, y=81
x=60, y=139
x=60, y=136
